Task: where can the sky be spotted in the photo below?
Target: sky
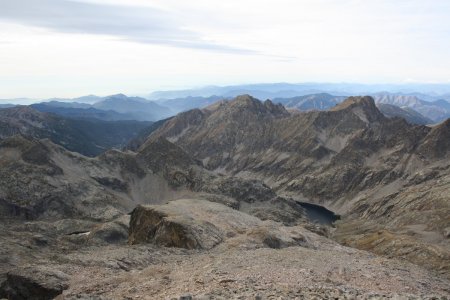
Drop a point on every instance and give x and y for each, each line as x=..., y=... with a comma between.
x=61, y=48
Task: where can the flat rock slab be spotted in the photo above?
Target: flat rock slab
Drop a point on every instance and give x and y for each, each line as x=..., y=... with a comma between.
x=200, y=224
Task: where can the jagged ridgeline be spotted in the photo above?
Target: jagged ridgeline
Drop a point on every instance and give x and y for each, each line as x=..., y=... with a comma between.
x=212, y=196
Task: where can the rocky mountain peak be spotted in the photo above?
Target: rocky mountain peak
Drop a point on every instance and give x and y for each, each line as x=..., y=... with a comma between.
x=245, y=98
x=437, y=142
x=21, y=112
x=366, y=101
x=274, y=107
x=118, y=96
x=363, y=106
x=252, y=105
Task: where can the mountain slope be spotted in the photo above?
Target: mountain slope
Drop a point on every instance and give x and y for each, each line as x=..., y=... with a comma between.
x=238, y=136
x=89, y=137
x=437, y=111
x=321, y=101
x=141, y=137
x=186, y=103
x=66, y=184
x=74, y=112
x=409, y=114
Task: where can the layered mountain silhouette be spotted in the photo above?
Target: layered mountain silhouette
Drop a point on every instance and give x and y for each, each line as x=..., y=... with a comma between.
x=121, y=107
x=80, y=112
x=177, y=105
x=110, y=108
x=87, y=136
x=407, y=113
x=141, y=109
x=435, y=110
x=288, y=90
x=431, y=102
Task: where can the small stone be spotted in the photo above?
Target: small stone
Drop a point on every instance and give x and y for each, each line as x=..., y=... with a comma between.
x=186, y=297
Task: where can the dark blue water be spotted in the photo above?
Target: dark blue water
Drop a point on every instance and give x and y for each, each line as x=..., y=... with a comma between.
x=319, y=214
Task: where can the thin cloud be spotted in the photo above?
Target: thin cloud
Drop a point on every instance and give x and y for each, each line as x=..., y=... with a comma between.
x=140, y=24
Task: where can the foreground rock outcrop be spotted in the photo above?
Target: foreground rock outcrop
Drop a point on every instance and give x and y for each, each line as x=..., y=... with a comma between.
x=34, y=283
x=200, y=224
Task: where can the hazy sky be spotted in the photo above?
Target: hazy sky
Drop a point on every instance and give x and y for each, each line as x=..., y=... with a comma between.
x=70, y=48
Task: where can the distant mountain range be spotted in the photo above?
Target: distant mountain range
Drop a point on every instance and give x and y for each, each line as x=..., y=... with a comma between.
x=121, y=107
x=430, y=101
x=288, y=90
x=88, y=136
x=139, y=108
x=80, y=113
x=436, y=110
x=186, y=103
x=114, y=120
x=407, y=113
x=6, y=105
x=402, y=108
x=322, y=101
x=88, y=99
x=110, y=108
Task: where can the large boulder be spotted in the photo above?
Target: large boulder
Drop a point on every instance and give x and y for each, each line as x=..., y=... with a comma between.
x=200, y=224
x=34, y=283
x=113, y=232
x=177, y=224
